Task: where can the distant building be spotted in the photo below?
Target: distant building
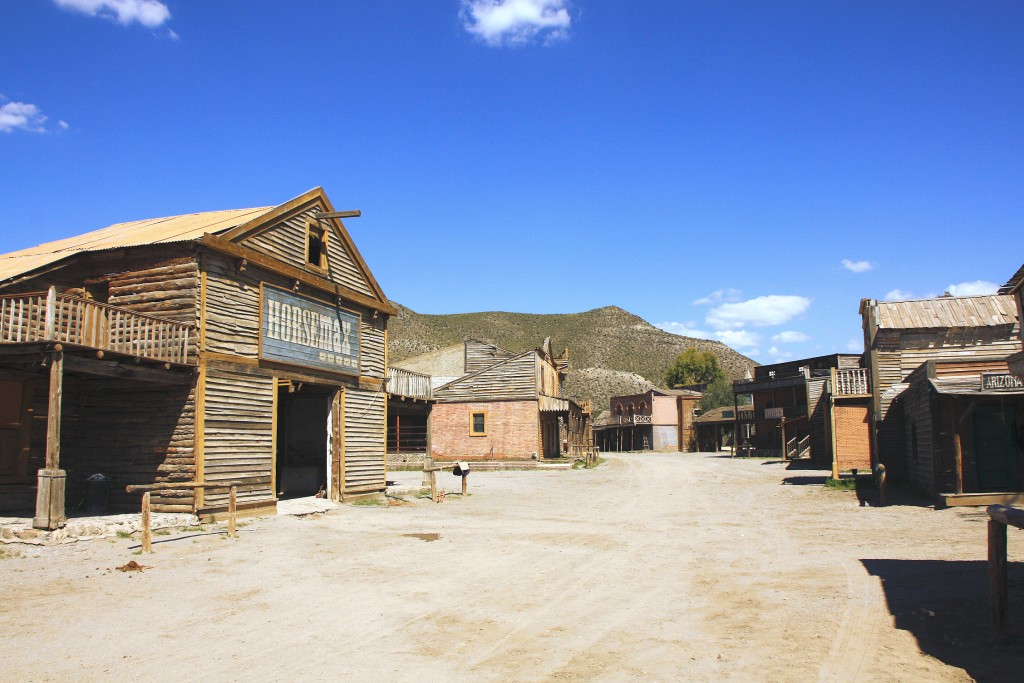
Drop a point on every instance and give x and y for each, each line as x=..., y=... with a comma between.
x=715, y=428
x=508, y=406
x=656, y=420
x=813, y=407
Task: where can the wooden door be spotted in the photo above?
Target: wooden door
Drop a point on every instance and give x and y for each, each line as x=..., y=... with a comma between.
x=995, y=456
x=15, y=429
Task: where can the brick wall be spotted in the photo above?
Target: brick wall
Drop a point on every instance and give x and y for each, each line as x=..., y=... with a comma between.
x=853, y=438
x=513, y=431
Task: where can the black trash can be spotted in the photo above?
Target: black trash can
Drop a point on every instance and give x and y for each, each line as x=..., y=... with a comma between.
x=97, y=494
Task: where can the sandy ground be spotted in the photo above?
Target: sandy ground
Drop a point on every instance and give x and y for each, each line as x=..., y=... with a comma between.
x=653, y=567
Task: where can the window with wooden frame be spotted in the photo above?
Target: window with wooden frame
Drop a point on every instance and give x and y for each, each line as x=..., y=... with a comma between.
x=316, y=244
x=478, y=423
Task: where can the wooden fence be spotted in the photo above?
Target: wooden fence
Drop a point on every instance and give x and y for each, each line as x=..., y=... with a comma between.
x=409, y=384
x=52, y=317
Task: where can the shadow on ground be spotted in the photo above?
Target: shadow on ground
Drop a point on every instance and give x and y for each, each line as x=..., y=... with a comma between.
x=944, y=605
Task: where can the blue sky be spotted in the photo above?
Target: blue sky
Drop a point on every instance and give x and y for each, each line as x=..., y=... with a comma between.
x=746, y=171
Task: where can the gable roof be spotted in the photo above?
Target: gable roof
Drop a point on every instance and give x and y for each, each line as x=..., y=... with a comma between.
x=223, y=230
x=992, y=310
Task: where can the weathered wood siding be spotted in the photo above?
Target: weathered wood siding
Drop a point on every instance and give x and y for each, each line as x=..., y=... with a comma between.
x=547, y=377
x=133, y=433
x=364, y=440
x=515, y=378
x=921, y=462
x=817, y=412
x=371, y=343
x=233, y=306
x=286, y=241
x=238, y=433
x=480, y=355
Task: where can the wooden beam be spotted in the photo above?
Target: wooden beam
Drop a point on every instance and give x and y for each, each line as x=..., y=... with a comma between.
x=140, y=373
x=338, y=214
x=53, y=412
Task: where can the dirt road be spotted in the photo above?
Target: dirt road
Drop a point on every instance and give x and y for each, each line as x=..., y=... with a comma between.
x=654, y=567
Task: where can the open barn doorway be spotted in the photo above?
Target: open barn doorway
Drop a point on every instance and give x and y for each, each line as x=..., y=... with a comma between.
x=303, y=439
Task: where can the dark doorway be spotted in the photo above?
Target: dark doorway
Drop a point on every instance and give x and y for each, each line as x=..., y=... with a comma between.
x=995, y=455
x=303, y=449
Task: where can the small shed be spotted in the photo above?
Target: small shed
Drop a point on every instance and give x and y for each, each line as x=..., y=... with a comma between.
x=715, y=429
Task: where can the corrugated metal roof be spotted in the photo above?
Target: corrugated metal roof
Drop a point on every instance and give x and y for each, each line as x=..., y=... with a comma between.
x=136, y=233
x=948, y=311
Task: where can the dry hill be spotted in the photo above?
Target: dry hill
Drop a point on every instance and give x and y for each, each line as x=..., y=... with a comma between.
x=608, y=347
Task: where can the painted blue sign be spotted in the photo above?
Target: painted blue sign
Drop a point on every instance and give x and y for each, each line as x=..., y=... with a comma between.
x=301, y=331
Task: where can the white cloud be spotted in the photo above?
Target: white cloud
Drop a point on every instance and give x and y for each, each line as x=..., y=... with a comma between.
x=898, y=295
x=149, y=13
x=63, y=125
x=778, y=355
x=976, y=288
x=499, y=22
x=857, y=266
x=790, y=337
x=718, y=297
x=21, y=116
x=738, y=339
x=762, y=311
x=855, y=345
x=686, y=329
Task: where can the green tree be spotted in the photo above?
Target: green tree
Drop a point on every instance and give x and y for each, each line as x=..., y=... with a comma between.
x=718, y=393
x=694, y=367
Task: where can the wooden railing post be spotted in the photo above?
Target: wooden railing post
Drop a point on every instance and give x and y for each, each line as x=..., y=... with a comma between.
x=51, y=313
x=147, y=532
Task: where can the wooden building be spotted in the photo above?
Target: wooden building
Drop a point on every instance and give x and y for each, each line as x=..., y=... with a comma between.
x=656, y=420
x=964, y=425
x=508, y=406
x=245, y=345
x=900, y=336
x=796, y=405
x=715, y=429
x=1015, y=288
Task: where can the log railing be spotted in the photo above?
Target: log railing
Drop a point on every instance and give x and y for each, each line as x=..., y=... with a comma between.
x=52, y=317
x=409, y=384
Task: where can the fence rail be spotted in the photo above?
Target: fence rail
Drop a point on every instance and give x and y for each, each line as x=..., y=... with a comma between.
x=52, y=317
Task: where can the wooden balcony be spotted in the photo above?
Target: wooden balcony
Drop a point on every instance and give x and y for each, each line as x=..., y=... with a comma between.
x=853, y=382
x=48, y=317
x=409, y=384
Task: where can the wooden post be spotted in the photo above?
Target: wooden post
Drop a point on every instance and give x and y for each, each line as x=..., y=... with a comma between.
x=997, y=576
x=51, y=480
x=232, y=517
x=958, y=449
x=782, y=429
x=880, y=471
x=433, y=485
x=147, y=532
x=464, y=476
x=49, y=326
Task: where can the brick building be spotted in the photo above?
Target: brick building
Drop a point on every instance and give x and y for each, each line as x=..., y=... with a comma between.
x=508, y=407
x=656, y=420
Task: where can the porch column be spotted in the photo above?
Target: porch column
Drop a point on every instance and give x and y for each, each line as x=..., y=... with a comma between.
x=50, y=490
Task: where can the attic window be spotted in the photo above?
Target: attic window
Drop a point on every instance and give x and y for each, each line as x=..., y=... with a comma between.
x=316, y=245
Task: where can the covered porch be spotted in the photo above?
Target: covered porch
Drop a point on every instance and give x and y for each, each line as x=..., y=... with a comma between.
x=91, y=389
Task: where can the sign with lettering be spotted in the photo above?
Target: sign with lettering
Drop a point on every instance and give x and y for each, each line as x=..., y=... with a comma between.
x=301, y=331
x=773, y=413
x=1000, y=380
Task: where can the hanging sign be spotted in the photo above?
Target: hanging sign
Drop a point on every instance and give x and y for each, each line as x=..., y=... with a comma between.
x=773, y=413
x=302, y=331
x=1000, y=380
